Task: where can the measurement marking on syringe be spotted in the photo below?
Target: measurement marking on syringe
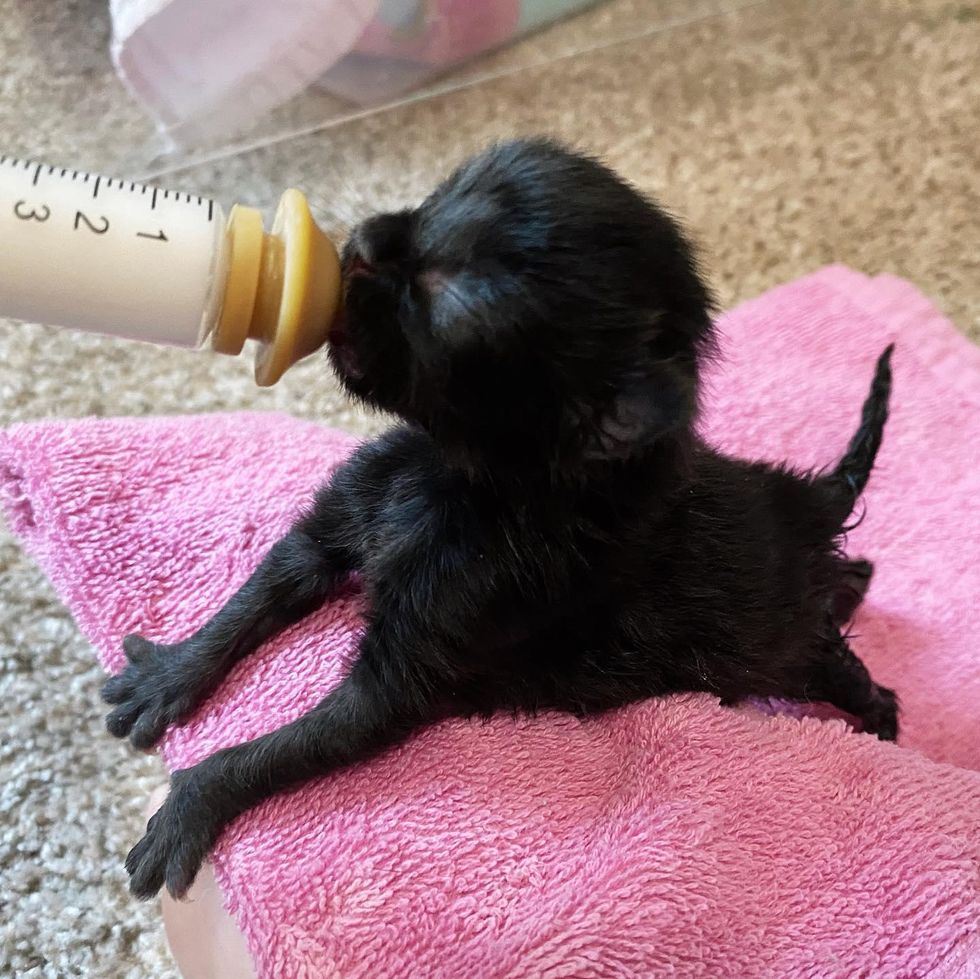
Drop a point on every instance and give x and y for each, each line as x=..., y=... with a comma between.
x=95, y=223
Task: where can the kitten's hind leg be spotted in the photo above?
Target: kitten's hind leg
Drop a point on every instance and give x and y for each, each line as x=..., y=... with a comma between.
x=843, y=680
x=853, y=586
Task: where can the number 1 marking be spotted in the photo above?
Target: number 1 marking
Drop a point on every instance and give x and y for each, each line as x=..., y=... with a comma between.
x=159, y=236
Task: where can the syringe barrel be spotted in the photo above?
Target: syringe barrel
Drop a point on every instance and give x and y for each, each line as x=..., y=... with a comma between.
x=108, y=256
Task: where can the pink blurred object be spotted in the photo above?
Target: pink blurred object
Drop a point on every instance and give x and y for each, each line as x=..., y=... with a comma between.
x=442, y=32
x=673, y=836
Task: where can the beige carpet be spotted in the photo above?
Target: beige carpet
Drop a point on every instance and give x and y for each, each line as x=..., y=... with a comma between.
x=788, y=134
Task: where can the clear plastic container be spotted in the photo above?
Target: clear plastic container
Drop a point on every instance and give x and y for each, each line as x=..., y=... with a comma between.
x=209, y=70
x=222, y=77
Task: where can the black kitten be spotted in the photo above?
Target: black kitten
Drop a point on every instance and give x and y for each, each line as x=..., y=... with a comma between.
x=543, y=529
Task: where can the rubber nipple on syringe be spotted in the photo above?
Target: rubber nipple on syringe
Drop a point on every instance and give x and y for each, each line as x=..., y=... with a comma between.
x=282, y=287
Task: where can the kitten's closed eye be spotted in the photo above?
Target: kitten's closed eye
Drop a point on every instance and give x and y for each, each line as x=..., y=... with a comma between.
x=484, y=302
x=433, y=281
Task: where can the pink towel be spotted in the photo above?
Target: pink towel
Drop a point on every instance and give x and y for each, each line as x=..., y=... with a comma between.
x=675, y=836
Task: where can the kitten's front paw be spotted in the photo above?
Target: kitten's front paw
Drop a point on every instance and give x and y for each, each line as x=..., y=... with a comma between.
x=178, y=838
x=158, y=687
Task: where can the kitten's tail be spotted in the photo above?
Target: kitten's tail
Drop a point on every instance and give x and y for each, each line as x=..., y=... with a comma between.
x=848, y=479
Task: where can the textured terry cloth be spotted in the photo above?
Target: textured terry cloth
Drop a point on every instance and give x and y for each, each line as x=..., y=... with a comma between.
x=673, y=836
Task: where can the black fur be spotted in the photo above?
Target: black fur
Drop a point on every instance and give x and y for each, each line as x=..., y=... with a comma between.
x=543, y=528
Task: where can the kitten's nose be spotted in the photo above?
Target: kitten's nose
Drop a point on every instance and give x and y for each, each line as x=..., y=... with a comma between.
x=383, y=239
x=358, y=264
x=356, y=259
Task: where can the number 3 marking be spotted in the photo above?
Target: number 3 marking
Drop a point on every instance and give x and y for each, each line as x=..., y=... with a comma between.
x=20, y=209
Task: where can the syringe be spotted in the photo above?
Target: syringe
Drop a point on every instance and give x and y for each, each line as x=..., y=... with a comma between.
x=121, y=258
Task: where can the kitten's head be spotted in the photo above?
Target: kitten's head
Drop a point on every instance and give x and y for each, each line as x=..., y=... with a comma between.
x=534, y=311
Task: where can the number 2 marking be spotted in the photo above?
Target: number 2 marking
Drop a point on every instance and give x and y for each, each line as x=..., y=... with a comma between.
x=20, y=210
x=81, y=218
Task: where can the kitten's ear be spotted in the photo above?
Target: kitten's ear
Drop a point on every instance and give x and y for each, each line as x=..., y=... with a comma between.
x=641, y=413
